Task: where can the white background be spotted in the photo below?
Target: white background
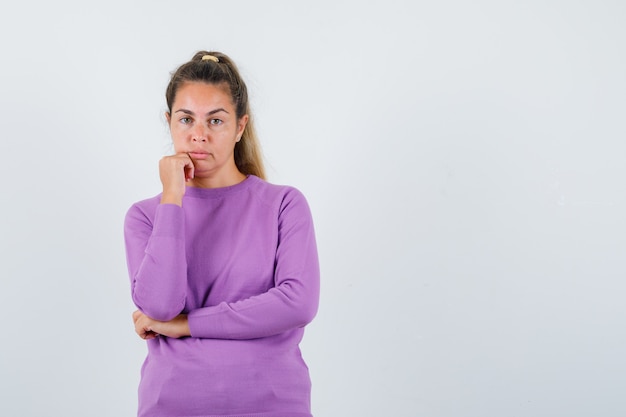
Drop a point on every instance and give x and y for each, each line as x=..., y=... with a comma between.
x=465, y=163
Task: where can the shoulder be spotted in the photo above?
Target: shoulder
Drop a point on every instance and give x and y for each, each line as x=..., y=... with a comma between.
x=275, y=194
x=143, y=209
x=287, y=202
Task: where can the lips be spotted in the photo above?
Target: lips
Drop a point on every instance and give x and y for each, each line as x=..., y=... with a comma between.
x=198, y=154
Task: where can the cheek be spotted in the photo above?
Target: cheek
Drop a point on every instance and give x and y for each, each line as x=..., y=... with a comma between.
x=177, y=147
x=178, y=141
x=177, y=135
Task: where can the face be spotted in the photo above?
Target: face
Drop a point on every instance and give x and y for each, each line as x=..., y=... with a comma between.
x=204, y=125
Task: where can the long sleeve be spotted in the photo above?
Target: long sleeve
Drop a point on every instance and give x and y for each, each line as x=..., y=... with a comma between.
x=291, y=303
x=241, y=261
x=155, y=254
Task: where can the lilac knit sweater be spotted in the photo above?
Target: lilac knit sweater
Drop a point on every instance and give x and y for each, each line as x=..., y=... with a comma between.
x=242, y=262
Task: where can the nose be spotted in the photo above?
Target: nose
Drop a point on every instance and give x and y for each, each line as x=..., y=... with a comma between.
x=200, y=134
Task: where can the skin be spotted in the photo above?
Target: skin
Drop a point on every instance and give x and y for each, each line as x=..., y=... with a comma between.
x=205, y=129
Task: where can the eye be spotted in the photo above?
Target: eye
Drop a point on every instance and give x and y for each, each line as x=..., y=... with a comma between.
x=215, y=122
x=185, y=120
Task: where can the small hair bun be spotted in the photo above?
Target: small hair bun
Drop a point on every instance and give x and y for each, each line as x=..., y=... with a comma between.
x=210, y=58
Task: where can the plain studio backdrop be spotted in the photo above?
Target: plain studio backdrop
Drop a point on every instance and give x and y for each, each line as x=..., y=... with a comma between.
x=464, y=161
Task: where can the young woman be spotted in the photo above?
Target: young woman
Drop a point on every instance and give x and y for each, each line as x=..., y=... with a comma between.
x=223, y=265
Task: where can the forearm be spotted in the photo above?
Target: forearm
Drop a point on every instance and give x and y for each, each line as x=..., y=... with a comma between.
x=292, y=303
x=264, y=315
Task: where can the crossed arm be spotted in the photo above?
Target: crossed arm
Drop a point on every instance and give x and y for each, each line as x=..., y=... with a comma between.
x=158, y=280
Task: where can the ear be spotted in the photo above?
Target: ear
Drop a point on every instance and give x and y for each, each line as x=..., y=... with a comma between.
x=168, y=117
x=241, y=125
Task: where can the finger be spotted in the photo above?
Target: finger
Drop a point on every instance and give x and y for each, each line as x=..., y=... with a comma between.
x=136, y=315
x=147, y=335
x=189, y=169
x=151, y=335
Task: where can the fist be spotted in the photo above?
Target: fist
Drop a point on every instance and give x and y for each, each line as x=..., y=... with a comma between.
x=175, y=171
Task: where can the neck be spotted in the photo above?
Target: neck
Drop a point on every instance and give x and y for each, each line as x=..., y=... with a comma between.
x=217, y=181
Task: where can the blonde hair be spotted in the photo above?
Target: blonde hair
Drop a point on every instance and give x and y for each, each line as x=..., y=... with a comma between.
x=218, y=69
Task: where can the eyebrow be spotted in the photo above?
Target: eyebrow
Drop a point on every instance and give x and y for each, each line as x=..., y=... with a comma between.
x=211, y=113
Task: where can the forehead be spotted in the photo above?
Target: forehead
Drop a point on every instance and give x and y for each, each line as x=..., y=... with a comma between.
x=200, y=95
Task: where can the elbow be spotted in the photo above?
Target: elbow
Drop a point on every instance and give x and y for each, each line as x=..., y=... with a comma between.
x=160, y=314
x=308, y=313
x=161, y=310
x=303, y=303
x=303, y=313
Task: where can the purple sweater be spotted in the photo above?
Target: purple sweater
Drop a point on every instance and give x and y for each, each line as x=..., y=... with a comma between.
x=242, y=262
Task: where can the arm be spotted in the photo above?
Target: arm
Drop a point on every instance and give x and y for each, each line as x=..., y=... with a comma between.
x=290, y=304
x=155, y=254
x=155, y=248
